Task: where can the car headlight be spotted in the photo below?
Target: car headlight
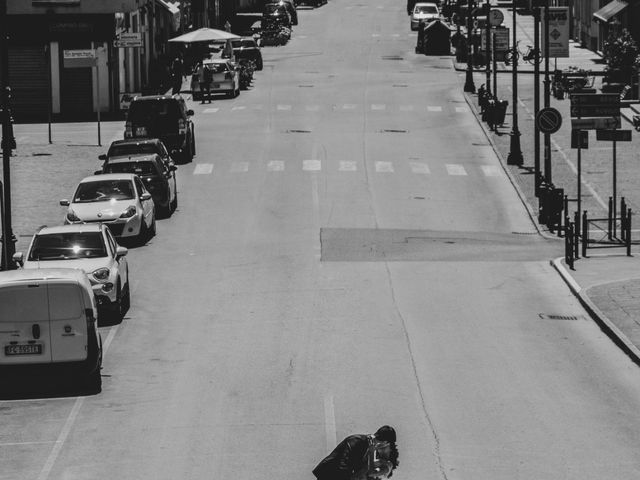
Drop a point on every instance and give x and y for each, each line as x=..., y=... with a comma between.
x=101, y=274
x=129, y=212
x=72, y=217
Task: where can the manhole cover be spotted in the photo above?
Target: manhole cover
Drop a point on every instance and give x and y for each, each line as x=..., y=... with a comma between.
x=392, y=57
x=393, y=130
x=546, y=316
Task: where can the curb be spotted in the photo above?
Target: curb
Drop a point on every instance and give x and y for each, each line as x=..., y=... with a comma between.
x=606, y=325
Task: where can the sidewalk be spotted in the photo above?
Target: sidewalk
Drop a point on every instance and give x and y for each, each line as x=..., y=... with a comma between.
x=608, y=285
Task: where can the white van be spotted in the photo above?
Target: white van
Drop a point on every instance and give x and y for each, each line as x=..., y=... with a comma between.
x=48, y=325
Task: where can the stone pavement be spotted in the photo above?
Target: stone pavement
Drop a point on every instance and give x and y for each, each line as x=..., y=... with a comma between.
x=607, y=284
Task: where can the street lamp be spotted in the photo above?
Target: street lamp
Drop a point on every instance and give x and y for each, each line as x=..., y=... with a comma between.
x=468, y=84
x=515, y=153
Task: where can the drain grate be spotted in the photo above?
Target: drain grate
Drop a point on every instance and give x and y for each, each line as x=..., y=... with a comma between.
x=393, y=130
x=546, y=316
x=298, y=131
x=305, y=86
x=392, y=57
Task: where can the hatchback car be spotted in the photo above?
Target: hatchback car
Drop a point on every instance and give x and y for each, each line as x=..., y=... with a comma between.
x=424, y=12
x=138, y=146
x=158, y=179
x=241, y=48
x=165, y=117
x=91, y=248
x=119, y=200
x=225, y=75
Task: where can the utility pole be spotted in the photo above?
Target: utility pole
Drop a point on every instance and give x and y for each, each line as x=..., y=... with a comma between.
x=8, y=142
x=468, y=84
x=515, y=152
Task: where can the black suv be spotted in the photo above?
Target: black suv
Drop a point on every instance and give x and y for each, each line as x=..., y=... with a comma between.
x=165, y=117
x=245, y=48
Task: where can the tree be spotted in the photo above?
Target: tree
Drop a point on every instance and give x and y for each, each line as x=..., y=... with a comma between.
x=621, y=54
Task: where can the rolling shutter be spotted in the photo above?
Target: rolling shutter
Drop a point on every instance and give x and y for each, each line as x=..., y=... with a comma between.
x=29, y=82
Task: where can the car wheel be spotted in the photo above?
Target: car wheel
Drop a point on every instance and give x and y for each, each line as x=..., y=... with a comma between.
x=193, y=144
x=230, y=93
x=259, y=64
x=126, y=297
x=174, y=204
x=117, y=307
x=152, y=228
x=93, y=382
x=165, y=210
x=236, y=93
x=143, y=234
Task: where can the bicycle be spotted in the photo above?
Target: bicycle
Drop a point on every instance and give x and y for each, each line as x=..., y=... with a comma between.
x=528, y=56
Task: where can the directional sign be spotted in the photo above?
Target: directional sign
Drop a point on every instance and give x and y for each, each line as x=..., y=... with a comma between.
x=596, y=123
x=501, y=36
x=78, y=58
x=580, y=139
x=594, y=111
x=611, y=135
x=549, y=120
x=602, y=99
x=128, y=40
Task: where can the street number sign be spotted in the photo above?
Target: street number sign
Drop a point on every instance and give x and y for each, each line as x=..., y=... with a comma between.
x=580, y=139
x=611, y=135
x=595, y=123
x=602, y=99
x=496, y=17
x=549, y=120
x=594, y=111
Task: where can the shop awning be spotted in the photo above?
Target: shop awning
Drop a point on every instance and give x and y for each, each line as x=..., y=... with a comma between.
x=610, y=10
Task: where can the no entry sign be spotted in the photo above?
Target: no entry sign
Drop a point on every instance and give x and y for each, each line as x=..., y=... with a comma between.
x=549, y=120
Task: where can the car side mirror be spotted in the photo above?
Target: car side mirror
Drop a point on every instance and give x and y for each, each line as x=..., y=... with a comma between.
x=65, y=202
x=145, y=196
x=102, y=157
x=121, y=251
x=18, y=258
x=189, y=112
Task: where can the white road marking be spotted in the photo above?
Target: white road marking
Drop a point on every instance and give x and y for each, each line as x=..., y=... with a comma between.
x=210, y=110
x=384, y=167
x=239, y=167
x=378, y=106
x=395, y=34
x=491, y=170
x=203, y=169
x=311, y=165
x=349, y=106
x=434, y=109
x=375, y=34
x=348, y=166
x=284, y=107
x=239, y=107
x=454, y=169
x=330, y=422
x=462, y=109
x=421, y=168
x=13, y=444
x=275, y=166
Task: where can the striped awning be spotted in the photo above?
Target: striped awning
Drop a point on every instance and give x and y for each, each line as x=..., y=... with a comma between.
x=610, y=10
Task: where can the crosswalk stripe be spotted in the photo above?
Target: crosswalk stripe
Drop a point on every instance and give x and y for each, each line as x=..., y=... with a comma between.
x=434, y=109
x=491, y=170
x=284, y=107
x=239, y=167
x=275, y=166
x=454, y=169
x=203, y=169
x=349, y=106
x=384, y=167
x=348, y=166
x=421, y=168
x=238, y=107
x=210, y=110
x=462, y=109
x=311, y=165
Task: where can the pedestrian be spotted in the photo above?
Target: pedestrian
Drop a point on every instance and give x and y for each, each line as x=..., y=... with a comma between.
x=227, y=26
x=205, y=77
x=361, y=457
x=177, y=74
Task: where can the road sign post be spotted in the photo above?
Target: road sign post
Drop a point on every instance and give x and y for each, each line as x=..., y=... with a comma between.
x=579, y=140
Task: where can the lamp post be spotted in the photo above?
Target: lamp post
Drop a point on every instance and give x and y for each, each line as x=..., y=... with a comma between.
x=536, y=98
x=8, y=143
x=515, y=152
x=468, y=84
x=547, y=97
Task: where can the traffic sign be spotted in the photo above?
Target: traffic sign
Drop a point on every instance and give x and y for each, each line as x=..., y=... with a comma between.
x=580, y=139
x=595, y=123
x=496, y=17
x=602, y=99
x=611, y=135
x=128, y=40
x=549, y=120
x=595, y=111
x=78, y=58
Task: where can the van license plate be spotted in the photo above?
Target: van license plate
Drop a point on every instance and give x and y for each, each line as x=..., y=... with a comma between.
x=23, y=350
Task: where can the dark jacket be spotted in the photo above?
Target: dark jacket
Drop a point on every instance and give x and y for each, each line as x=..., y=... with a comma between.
x=345, y=460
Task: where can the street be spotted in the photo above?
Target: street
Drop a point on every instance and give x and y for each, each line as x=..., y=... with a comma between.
x=348, y=252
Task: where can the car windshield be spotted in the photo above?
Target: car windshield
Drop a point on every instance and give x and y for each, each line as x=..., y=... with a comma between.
x=242, y=43
x=426, y=9
x=139, y=168
x=104, y=190
x=67, y=246
x=274, y=8
x=126, y=149
x=149, y=111
x=217, y=67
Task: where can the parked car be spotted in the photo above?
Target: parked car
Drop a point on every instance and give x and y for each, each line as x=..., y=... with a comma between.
x=243, y=48
x=423, y=11
x=91, y=248
x=277, y=11
x=138, y=146
x=226, y=78
x=314, y=3
x=48, y=326
x=158, y=179
x=119, y=200
x=165, y=117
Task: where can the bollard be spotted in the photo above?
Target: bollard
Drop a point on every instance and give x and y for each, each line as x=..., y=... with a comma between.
x=609, y=222
x=623, y=212
x=628, y=235
x=576, y=222
x=585, y=234
x=568, y=247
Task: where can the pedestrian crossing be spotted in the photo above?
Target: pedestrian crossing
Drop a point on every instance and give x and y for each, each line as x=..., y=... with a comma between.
x=343, y=107
x=381, y=167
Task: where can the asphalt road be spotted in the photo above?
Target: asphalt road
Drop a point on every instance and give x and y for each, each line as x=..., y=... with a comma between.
x=347, y=253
